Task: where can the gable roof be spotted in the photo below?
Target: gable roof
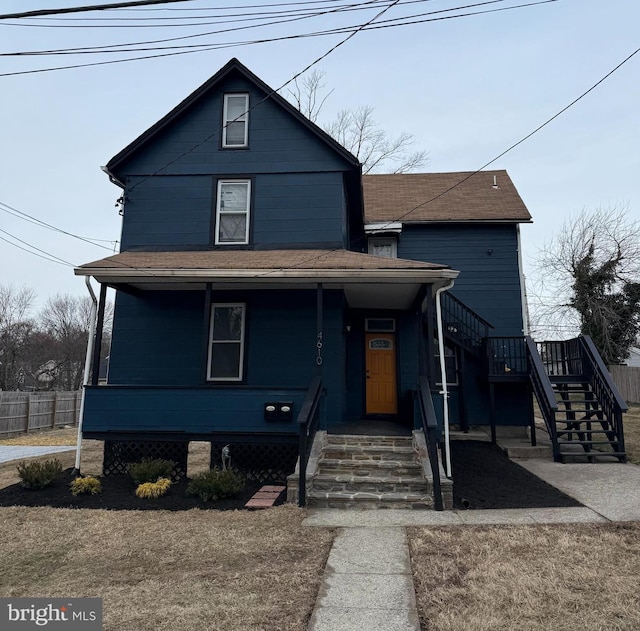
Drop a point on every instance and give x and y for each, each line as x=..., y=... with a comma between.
x=443, y=197
x=205, y=89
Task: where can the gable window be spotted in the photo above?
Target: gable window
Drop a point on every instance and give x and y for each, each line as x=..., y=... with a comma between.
x=383, y=246
x=232, y=212
x=226, y=342
x=235, y=130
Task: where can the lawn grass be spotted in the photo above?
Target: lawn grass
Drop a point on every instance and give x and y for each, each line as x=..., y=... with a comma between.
x=165, y=571
x=162, y=570
x=631, y=422
x=45, y=438
x=568, y=577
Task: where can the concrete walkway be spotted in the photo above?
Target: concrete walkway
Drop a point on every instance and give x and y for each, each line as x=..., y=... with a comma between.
x=20, y=452
x=367, y=584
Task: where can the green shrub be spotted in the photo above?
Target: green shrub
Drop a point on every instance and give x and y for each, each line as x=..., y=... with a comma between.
x=215, y=484
x=87, y=484
x=38, y=475
x=150, y=470
x=152, y=490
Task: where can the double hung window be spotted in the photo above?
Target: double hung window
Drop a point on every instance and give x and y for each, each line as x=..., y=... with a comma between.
x=232, y=212
x=226, y=342
x=235, y=121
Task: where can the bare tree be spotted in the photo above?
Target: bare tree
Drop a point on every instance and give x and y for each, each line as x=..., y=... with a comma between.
x=15, y=328
x=67, y=320
x=590, y=273
x=358, y=132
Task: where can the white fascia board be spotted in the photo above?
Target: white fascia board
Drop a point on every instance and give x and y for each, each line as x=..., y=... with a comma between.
x=382, y=227
x=257, y=275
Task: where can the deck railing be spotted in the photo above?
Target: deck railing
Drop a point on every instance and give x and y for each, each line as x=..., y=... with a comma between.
x=430, y=428
x=506, y=356
x=543, y=392
x=463, y=325
x=307, y=426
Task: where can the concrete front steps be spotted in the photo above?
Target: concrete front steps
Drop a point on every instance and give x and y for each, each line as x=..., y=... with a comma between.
x=369, y=472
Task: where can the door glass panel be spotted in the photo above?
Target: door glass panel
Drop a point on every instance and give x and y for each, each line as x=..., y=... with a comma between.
x=379, y=343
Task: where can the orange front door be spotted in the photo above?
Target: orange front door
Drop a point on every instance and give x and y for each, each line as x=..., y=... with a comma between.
x=382, y=393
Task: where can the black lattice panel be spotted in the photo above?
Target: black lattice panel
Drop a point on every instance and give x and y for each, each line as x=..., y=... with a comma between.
x=118, y=454
x=262, y=462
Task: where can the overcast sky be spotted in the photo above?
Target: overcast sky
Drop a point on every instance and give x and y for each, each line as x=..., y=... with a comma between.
x=466, y=88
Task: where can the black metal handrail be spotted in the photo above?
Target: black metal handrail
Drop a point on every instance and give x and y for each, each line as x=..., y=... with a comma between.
x=307, y=427
x=462, y=324
x=605, y=390
x=562, y=357
x=430, y=428
x=543, y=391
x=506, y=356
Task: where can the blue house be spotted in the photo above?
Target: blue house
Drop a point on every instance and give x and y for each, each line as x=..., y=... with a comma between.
x=266, y=289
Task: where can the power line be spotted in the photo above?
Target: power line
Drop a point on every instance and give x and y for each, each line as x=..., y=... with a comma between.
x=91, y=7
x=220, y=46
x=48, y=256
x=43, y=224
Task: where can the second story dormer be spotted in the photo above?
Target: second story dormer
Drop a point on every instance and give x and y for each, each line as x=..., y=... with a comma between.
x=236, y=166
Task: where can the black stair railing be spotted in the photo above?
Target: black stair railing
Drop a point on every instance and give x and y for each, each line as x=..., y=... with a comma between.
x=605, y=390
x=431, y=429
x=308, y=419
x=462, y=325
x=543, y=391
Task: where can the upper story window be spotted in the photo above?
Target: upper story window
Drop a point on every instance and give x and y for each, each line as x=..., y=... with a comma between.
x=235, y=121
x=232, y=212
x=383, y=246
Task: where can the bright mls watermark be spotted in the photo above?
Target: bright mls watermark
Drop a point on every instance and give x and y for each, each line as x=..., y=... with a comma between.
x=25, y=614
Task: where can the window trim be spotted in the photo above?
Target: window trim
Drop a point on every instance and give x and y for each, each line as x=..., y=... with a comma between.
x=240, y=342
x=220, y=212
x=244, y=118
x=392, y=241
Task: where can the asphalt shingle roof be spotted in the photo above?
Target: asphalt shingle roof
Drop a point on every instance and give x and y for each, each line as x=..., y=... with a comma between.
x=402, y=197
x=256, y=259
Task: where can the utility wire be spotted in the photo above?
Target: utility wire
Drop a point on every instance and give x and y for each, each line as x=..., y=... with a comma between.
x=336, y=31
x=43, y=224
x=50, y=257
x=344, y=8
x=92, y=7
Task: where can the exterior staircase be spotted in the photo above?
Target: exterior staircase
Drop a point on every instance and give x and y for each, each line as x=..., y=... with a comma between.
x=369, y=472
x=584, y=432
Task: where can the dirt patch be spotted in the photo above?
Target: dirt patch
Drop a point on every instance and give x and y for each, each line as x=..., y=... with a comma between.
x=484, y=477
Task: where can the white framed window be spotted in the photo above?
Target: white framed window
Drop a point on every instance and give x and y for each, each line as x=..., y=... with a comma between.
x=235, y=120
x=383, y=246
x=226, y=342
x=232, y=212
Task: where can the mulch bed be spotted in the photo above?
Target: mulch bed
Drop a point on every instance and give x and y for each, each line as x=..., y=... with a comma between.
x=118, y=493
x=484, y=477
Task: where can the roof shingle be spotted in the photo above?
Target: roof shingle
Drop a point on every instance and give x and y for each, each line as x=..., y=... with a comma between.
x=417, y=197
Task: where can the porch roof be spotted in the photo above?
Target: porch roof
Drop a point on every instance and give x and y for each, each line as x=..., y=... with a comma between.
x=360, y=275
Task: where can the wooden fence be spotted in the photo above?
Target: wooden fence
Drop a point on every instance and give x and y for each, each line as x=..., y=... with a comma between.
x=27, y=411
x=627, y=378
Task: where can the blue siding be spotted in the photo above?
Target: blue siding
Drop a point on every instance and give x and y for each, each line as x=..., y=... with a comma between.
x=158, y=339
x=190, y=410
x=487, y=258
x=291, y=208
x=191, y=144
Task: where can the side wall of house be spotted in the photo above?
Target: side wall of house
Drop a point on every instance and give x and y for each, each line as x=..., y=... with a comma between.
x=489, y=283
